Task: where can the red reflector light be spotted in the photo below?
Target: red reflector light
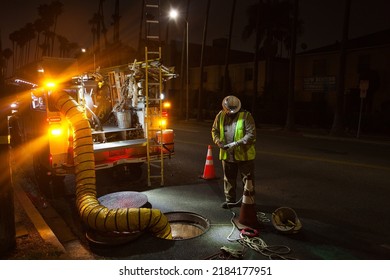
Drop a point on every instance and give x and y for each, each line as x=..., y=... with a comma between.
x=54, y=119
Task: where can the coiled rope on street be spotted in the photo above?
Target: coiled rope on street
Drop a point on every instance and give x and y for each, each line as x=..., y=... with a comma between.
x=257, y=244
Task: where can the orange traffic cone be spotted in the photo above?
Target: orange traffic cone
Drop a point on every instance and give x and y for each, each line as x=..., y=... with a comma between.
x=209, y=171
x=248, y=217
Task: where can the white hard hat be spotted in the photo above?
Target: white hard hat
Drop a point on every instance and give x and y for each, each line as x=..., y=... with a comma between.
x=231, y=104
x=285, y=220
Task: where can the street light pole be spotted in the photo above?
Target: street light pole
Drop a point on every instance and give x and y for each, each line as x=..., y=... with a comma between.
x=187, y=70
x=174, y=14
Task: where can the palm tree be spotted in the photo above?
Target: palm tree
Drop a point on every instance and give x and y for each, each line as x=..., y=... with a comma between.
x=98, y=27
x=55, y=9
x=270, y=21
x=94, y=22
x=338, y=120
x=19, y=39
x=45, y=46
x=40, y=25
x=46, y=16
x=49, y=15
x=6, y=54
x=14, y=38
x=21, y=43
x=29, y=35
x=64, y=44
x=273, y=26
x=72, y=47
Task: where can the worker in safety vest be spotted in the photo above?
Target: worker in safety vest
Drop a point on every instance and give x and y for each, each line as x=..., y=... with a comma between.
x=234, y=132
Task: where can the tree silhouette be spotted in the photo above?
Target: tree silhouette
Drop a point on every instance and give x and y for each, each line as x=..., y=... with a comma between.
x=55, y=9
x=273, y=26
x=20, y=44
x=49, y=15
x=6, y=54
x=40, y=25
x=28, y=34
x=66, y=47
x=14, y=37
x=270, y=21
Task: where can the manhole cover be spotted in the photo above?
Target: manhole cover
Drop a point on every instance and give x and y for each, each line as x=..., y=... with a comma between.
x=125, y=199
x=186, y=225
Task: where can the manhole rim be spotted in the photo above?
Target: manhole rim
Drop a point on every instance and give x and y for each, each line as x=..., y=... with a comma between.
x=200, y=221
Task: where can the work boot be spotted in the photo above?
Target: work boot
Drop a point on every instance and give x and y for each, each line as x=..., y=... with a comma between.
x=225, y=205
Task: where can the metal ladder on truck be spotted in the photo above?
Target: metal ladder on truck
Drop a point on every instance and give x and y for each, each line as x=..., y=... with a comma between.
x=153, y=90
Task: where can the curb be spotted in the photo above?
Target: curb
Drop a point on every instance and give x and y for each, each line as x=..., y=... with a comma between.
x=39, y=223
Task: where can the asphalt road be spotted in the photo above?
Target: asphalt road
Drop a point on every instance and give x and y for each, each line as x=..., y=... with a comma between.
x=338, y=187
x=340, y=183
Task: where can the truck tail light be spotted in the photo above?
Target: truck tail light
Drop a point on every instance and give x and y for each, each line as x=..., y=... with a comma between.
x=56, y=130
x=163, y=123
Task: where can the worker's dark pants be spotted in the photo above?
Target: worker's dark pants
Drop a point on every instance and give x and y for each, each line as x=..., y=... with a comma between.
x=230, y=171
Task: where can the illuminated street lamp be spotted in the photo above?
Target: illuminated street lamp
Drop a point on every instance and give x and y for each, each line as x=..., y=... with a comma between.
x=174, y=14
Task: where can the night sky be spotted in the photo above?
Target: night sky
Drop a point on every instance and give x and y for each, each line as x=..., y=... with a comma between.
x=323, y=20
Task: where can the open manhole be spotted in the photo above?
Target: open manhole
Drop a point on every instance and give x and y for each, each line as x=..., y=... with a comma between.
x=186, y=225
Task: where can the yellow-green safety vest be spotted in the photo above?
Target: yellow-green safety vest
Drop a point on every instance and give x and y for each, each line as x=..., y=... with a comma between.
x=241, y=152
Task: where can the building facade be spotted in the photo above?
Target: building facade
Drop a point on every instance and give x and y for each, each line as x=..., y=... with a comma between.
x=366, y=86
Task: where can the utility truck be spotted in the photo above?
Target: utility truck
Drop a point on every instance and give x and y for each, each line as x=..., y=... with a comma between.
x=124, y=105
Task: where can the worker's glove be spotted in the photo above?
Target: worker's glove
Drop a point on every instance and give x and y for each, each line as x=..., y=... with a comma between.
x=220, y=145
x=230, y=145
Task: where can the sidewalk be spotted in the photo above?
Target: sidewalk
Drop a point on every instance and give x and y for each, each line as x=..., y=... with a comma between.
x=41, y=234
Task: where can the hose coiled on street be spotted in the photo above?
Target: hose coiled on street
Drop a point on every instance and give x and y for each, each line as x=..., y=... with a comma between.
x=90, y=210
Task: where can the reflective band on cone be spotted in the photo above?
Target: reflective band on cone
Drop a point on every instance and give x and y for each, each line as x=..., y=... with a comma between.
x=209, y=171
x=248, y=217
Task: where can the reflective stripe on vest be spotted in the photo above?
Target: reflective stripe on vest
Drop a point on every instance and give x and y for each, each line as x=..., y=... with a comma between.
x=241, y=152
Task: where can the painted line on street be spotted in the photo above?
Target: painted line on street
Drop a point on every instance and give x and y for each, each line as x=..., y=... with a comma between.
x=294, y=156
x=350, y=163
x=193, y=143
x=187, y=130
x=386, y=246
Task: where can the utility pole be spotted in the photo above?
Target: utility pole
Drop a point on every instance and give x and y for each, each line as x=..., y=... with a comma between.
x=116, y=22
x=200, y=96
x=290, y=121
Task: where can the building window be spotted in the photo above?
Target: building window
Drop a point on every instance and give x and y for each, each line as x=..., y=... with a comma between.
x=248, y=74
x=319, y=67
